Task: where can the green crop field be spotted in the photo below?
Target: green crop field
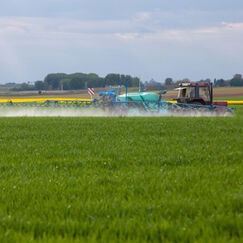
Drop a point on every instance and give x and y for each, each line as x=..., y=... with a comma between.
x=229, y=98
x=121, y=179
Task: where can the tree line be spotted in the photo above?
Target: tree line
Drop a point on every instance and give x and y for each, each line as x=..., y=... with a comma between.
x=237, y=80
x=63, y=81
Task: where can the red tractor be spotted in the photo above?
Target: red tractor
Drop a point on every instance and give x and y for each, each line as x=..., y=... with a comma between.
x=197, y=94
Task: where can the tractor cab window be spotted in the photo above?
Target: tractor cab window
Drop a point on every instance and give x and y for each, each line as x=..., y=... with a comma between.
x=204, y=93
x=182, y=93
x=188, y=92
x=191, y=93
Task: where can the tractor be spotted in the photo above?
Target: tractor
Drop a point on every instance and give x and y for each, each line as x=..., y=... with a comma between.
x=193, y=99
x=197, y=94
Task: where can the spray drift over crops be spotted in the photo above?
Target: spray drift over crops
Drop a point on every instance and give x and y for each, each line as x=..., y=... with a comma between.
x=74, y=112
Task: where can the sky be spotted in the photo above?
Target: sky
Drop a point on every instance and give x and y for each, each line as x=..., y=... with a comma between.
x=145, y=38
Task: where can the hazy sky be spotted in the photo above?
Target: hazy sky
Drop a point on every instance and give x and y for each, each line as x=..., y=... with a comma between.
x=148, y=38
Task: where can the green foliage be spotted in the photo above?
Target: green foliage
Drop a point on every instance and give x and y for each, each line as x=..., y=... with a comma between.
x=23, y=87
x=117, y=79
x=207, y=80
x=39, y=85
x=57, y=81
x=82, y=80
x=152, y=85
x=77, y=83
x=168, y=81
x=112, y=79
x=221, y=83
x=229, y=98
x=121, y=179
x=52, y=81
x=65, y=83
x=236, y=81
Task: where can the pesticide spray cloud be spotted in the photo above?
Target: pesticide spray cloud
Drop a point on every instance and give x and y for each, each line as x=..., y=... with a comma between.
x=75, y=112
x=49, y=112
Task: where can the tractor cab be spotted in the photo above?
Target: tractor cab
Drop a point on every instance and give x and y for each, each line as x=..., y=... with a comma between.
x=195, y=93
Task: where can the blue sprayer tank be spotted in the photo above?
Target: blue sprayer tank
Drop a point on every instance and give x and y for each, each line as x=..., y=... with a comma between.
x=140, y=96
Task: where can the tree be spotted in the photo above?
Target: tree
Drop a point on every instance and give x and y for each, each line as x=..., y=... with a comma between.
x=239, y=76
x=207, y=80
x=24, y=86
x=113, y=79
x=65, y=83
x=77, y=83
x=55, y=81
x=186, y=80
x=152, y=85
x=220, y=83
x=52, y=81
x=93, y=81
x=236, y=81
x=39, y=85
x=168, y=81
x=135, y=82
x=129, y=80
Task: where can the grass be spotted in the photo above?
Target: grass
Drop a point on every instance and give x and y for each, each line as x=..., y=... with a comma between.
x=121, y=179
x=229, y=98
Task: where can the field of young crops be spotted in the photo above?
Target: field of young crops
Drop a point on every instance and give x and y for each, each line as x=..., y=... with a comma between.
x=229, y=98
x=121, y=179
